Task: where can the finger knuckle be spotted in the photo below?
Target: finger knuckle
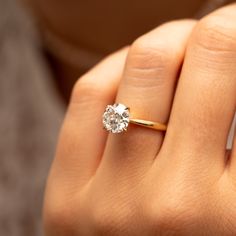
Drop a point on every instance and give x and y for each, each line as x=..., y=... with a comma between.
x=108, y=220
x=170, y=216
x=86, y=91
x=149, y=58
x=102, y=221
x=58, y=216
x=216, y=33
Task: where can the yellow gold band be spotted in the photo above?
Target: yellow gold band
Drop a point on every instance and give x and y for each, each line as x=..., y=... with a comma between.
x=116, y=119
x=149, y=124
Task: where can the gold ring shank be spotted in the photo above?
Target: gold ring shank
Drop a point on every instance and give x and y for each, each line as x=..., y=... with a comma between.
x=149, y=124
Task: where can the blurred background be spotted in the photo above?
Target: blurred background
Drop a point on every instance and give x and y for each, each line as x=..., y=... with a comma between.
x=45, y=45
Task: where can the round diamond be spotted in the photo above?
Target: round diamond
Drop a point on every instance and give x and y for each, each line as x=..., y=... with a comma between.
x=116, y=118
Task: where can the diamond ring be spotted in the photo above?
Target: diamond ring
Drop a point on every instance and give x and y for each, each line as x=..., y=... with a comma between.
x=116, y=119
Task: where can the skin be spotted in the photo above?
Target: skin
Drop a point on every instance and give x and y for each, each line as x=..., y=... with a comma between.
x=98, y=28
x=145, y=182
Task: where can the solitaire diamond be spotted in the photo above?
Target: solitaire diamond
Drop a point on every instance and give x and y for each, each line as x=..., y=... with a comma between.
x=116, y=118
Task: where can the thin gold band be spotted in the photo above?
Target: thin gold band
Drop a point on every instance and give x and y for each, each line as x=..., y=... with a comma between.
x=116, y=119
x=148, y=124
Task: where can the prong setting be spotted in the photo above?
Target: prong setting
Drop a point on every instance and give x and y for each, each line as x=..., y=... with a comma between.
x=116, y=118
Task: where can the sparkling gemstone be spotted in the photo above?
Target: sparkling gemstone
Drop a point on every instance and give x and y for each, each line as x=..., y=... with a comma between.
x=116, y=118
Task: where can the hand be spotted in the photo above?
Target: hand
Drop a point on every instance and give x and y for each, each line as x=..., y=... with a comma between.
x=145, y=182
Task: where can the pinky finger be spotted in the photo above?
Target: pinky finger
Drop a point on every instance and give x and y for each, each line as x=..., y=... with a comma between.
x=82, y=138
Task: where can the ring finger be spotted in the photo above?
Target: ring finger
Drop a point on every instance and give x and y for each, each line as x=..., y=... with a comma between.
x=147, y=87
